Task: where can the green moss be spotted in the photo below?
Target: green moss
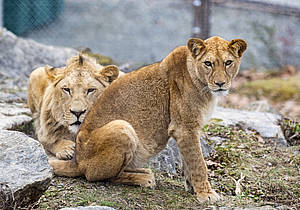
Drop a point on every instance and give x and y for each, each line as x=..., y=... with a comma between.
x=101, y=59
x=275, y=89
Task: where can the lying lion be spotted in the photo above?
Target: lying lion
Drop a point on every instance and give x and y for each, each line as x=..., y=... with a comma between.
x=134, y=117
x=59, y=99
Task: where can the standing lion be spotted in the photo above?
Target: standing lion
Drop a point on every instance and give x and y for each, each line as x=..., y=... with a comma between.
x=59, y=99
x=135, y=116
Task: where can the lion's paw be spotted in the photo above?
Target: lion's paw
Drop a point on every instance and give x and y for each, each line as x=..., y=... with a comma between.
x=66, y=153
x=149, y=181
x=210, y=197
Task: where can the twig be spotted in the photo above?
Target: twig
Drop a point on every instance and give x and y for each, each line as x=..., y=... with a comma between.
x=238, y=190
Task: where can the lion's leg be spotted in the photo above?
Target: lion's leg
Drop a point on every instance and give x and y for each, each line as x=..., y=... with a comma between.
x=137, y=176
x=108, y=150
x=195, y=170
x=63, y=149
x=65, y=168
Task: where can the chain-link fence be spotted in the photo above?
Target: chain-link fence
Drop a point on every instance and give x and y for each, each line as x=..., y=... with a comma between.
x=21, y=16
x=145, y=31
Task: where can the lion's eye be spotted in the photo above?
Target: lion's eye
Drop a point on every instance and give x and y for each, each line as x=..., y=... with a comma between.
x=67, y=90
x=227, y=63
x=90, y=90
x=208, y=63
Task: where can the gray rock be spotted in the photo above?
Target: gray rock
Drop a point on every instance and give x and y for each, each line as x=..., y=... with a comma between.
x=263, y=122
x=18, y=56
x=9, y=97
x=260, y=106
x=89, y=208
x=169, y=160
x=216, y=140
x=11, y=122
x=13, y=109
x=13, y=115
x=25, y=172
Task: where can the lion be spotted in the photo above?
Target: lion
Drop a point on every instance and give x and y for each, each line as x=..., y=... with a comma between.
x=59, y=99
x=134, y=117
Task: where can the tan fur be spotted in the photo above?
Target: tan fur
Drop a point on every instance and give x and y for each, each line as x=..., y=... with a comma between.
x=54, y=92
x=134, y=117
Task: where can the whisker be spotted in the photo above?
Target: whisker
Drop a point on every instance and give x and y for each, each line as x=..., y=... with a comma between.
x=205, y=90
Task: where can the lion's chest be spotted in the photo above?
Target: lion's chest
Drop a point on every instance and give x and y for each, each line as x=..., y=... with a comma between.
x=208, y=110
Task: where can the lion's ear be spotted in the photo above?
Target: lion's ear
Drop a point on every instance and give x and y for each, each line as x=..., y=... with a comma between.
x=110, y=72
x=238, y=46
x=196, y=46
x=52, y=72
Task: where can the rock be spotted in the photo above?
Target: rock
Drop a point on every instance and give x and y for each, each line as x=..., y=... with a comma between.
x=9, y=97
x=261, y=106
x=217, y=140
x=18, y=56
x=126, y=67
x=169, y=160
x=89, y=208
x=263, y=122
x=13, y=109
x=25, y=172
x=13, y=115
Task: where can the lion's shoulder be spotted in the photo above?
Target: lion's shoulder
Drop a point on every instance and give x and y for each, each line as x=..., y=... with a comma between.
x=38, y=82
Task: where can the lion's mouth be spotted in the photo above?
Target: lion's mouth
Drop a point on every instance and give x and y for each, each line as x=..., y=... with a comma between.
x=220, y=90
x=76, y=123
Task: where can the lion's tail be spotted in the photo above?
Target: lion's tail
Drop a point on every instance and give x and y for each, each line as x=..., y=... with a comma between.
x=68, y=168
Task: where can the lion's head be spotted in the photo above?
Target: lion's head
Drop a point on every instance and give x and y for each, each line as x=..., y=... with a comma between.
x=75, y=88
x=217, y=61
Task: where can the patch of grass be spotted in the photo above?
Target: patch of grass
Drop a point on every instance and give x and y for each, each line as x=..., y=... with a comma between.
x=78, y=192
x=271, y=173
x=291, y=130
x=271, y=178
x=275, y=89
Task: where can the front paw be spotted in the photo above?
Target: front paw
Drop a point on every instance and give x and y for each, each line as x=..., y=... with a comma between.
x=66, y=152
x=208, y=197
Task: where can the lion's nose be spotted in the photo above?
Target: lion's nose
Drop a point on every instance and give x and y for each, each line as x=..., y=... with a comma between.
x=219, y=83
x=77, y=113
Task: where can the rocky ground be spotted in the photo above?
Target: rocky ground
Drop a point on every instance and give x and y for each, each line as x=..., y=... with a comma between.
x=253, y=159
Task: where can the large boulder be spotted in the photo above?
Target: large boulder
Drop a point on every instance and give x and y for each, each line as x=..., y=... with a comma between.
x=265, y=123
x=25, y=172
